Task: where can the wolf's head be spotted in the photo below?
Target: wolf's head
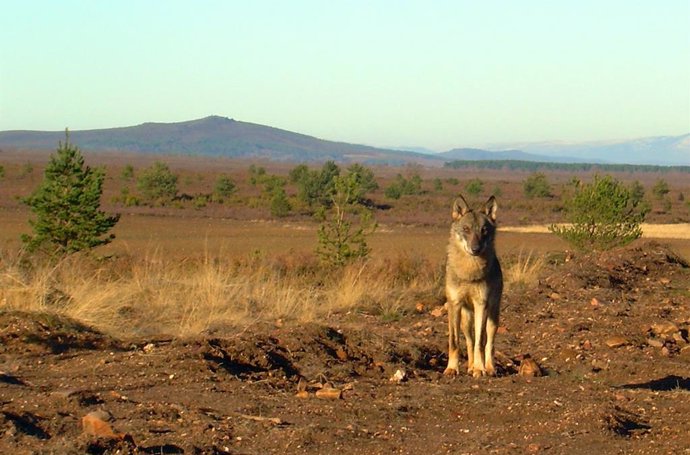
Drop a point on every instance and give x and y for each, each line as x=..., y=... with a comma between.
x=473, y=229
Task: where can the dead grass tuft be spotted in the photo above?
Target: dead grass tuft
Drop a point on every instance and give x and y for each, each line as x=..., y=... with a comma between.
x=524, y=270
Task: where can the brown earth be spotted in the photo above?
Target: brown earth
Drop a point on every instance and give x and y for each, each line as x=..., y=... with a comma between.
x=609, y=332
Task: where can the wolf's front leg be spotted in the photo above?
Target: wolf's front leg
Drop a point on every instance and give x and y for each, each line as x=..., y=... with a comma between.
x=453, y=339
x=479, y=326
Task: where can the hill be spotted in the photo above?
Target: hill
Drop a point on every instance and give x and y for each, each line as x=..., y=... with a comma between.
x=213, y=136
x=472, y=154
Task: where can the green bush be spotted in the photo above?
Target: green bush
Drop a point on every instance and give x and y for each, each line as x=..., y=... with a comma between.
x=403, y=186
x=67, y=206
x=602, y=215
x=280, y=205
x=345, y=225
x=537, y=185
x=315, y=188
x=158, y=184
x=127, y=172
x=225, y=187
x=474, y=187
x=660, y=189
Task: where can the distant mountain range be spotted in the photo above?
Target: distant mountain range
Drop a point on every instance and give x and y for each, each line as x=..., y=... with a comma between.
x=220, y=136
x=659, y=150
x=472, y=154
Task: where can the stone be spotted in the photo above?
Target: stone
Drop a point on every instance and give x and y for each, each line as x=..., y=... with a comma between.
x=438, y=311
x=617, y=341
x=399, y=376
x=529, y=368
x=94, y=425
x=341, y=354
x=329, y=393
x=664, y=328
x=655, y=342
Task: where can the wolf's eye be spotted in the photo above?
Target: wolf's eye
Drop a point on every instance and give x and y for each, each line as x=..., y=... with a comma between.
x=466, y=229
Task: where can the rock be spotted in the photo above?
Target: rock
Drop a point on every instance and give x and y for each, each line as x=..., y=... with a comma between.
x=302, y=394
x=594, y=302
x=665, y=281
x=655, y=342
x=94, y=425
x=341, y=354
x=587, y=345
x=664, y=328
x=399, y=376
x=555, y=296
x=438, y=311
x=148, y=348
x=665, y=351
x=529, y=368
x=598, y=365
x=419, y=307
x=329, y=393
x=679, y=339
x=502, y=330
x=616, y=341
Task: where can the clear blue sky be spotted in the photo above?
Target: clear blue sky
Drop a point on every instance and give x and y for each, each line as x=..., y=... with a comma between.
x=438, y=74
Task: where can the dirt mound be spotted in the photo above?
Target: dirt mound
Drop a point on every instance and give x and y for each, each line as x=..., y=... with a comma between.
x=318, y=352
x=41, y=333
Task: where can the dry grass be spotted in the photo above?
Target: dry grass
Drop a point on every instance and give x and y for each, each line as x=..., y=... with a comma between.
x=524, y=270
x=149, y=294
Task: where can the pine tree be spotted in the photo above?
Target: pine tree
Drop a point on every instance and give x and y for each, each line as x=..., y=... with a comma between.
x=67, y=206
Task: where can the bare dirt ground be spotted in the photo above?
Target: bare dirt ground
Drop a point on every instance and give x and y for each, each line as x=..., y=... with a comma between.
x=610, y=333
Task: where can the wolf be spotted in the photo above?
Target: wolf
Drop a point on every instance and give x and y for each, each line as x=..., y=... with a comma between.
x=474, y=286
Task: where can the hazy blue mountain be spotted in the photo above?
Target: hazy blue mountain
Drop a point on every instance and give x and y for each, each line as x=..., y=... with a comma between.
x=473, y=154
x=660, y=150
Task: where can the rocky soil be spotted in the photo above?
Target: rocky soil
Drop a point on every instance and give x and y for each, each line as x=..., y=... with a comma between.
x=594, y=359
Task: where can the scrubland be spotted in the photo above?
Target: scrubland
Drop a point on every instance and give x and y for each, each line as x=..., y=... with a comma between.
x=196, y=327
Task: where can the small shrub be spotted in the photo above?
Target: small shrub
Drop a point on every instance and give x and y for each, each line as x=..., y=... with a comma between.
x=225, y=187
x=200, y=201
x=404, y=186
x=280, y=205
x=256, y=174
x=158, y=184
x=537, y=185
x=345, y=225
x=438, y=185
x=474, y=187
x=127, y=172
x=660, y=189
x=603, y=215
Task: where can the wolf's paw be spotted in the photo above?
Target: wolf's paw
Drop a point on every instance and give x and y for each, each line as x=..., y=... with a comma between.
x=451, y=371
x=477, y=373
x=490, y=371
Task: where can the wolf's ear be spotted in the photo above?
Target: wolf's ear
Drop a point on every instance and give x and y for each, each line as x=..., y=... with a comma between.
x=490, y=208
x=460, y=207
